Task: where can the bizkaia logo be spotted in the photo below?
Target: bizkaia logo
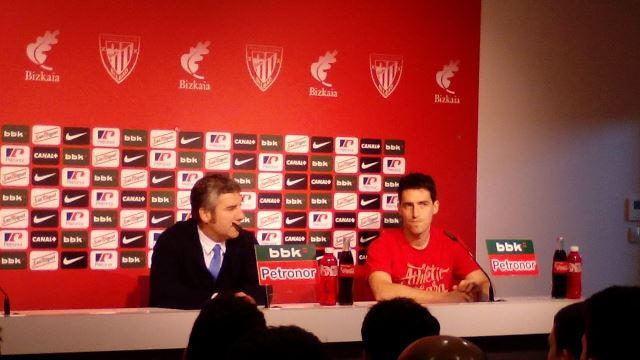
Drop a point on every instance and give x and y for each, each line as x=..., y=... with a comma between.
x=392, y=220
x=443, y=79
x=133, y=259
x=270, y=162
x=296, y=162
x=270, y=181
x=119, y=55
x=218, y=141
x=133, y=199
x=346, y=164
x=345, y=201
x=294, y=237
x=244, y=161
x=248, y=180
x=295, y=219
x=15, y=134
x=269, y=201
x=14, y=176
x=369, y=220
x=161, y=219
x=245, y=142
x=164, y=139
x=319, y=72
x=183, y=200
x=134, y=179
x=75, y=239
x=269, y=219
x=45, y=177
x=321, y=144
x=295, y=181
x=320, y=220
x=44, y=239
x=296, y=144
x=385, y=71
x=163, y=159
x=269, y=237
x=366, y=237
x=46, y=135
x=104, y=239
x=163, y=179
x=190, y=159
x=133, y=219
x=46, y=156
x=321, y=182
x=134, y=138
x=264, y=63
x=342, y=236
x=153, y=237
x=45, y=198
x=391, y=183
x=15, y=155
x=248, y=201
x=371, y=146
x=190, y=63
x=393, y=165
x=162, y=199
x=215, y=160
x=105, y=157
x=75, y=136
x=14, y=197
x=394, y=147
x=105, y=199
x=74, y=260
x=186, y=179
x=320, y=238
x=134, y=158
x=106, y=137
x=13, y=239
x=44, y=218
x=369, y=183
x=43, y=260
x=71, y=156
x=190, y=140
x=75, y=177
x=390, y=202
x=37, y=54
x=369, y=202
x=344, y=220
x=75, y=218
x=14, y=218
x=370, y=165
x=75, y=198
x=103, y=260
x=346, y=145
x=133, y=239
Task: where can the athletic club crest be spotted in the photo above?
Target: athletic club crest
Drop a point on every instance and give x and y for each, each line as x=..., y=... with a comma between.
x=119, y=54
x=385, y=72
x=264, y=63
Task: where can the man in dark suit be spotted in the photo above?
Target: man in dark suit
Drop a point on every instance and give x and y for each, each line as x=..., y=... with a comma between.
x=208, y=254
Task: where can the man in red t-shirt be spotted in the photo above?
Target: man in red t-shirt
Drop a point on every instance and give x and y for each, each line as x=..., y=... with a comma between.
x=420, y=261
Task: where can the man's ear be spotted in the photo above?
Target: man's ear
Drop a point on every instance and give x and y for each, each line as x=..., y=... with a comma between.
x=436, y=206
x=205, y=215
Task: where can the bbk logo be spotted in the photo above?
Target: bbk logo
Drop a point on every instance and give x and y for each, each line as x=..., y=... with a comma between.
x=371, y=146
x=119, y=55
x=133, y=259
x=270, y=162
x=321, y=163
x=248, y=181
x=321, y=182
x=135, y=138
x=43, y=260
x=133, y=219
x=391, y=220
x=13, y=197
x=72, y=156
x=105, y=157
x=75, y=219
x=443, y=79
x=45, y=198
x=294, y=238
x=321, y=144
x=13, y=239
x=270, y=181
x=248, y=200
x=45, y=177
x=14, y=176
x=319, y=72
x=153, y=237
x=245, y=142
x=269, y=220
x=370, y=165
x=190, y=160
x=346, y=145
x=386, y=71
x=75, y=239
x=14, y=218
x=106, y=137
x=269, y=201
x=186, y=179
x=218, y=141
x=369, y=220
x=134, y=158
x=390, y=202
x=320, y=220
x=104, y=239
x=249, y=220
x=264, y=63
x=134, y=179
x=105, y=178
x=346, y=164
x=37, y=52
x=346, y=182
x=296, y=163
x=295, y=201
x=46, y=156
x=510, y=247
x=103, y=260
x=134, y=199
x=105, y=199
x=269, y=237
x=13, y=260
x=296, y=144
x=214, y=160
x=244, y=161
x=345, y=201
x=15, y=155
x=190, y=63
x=44, y=218
x=340, y=236
x=74, y=260
x=161, y=219
x=366, y=237
x=286, y=253
x=295, y=219
x=295, y=181
x=46, y=135
x=183, y=200
x=320, y=200
x=370, y=183
x=345, y=220
x=163, y=179
x=320, y=238
x=394, y=147
x=163, y=159
x=15, y=134
x=271, y=142
x=191, y=140
x=44, y=239
x=75, y=136
x=75, y=198
x=391, y=183
x=369, y=201
x=163, y=139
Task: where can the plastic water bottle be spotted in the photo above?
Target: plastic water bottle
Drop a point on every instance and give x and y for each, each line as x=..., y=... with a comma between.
x=574, y=277
x=328, y=286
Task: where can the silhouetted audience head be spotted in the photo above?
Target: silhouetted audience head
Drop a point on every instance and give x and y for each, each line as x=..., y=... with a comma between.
x=613, y=316
x=391, y=325
x=565, y=339
x=442, y=348
x=281, y=343
x=221, y=322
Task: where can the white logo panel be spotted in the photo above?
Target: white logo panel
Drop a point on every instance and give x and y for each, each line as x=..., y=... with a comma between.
x=345, y=201
x=106, y=137
x=104, y=239
x=45, y=198
x=214, y=160
x=15, y=155
x=296, y=144
x=46, y=135
x=74, y=219
x=269, y=220
x=14, y=176
x=43, y=260
x=14, y=218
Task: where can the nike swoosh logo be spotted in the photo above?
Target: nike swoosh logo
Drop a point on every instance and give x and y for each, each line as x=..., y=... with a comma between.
x=67, y=261
x=185, y=141
x=366, y=166
x=39, y=177
x=367, y=202
x=156, y=180
x=70, y=137
x=367, y=239
x=38, y=220
x=319, y=145
x=126, y=240
x=155, y=220
x=128, y=159
x=293, y=182
x=291, y=221
x=239, y=162
x=68, y=199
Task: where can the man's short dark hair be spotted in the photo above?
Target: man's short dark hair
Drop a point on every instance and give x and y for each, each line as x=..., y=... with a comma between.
x=282, y=342
x=391, y=325
x=205, y=192
x=417, y=181
x=568, y=328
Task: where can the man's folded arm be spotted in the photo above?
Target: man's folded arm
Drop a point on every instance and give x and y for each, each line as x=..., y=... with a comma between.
x=383, y=289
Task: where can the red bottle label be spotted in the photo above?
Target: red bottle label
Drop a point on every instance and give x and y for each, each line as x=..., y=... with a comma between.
x=560, y=267
x=347, y=270
x=328, y=270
